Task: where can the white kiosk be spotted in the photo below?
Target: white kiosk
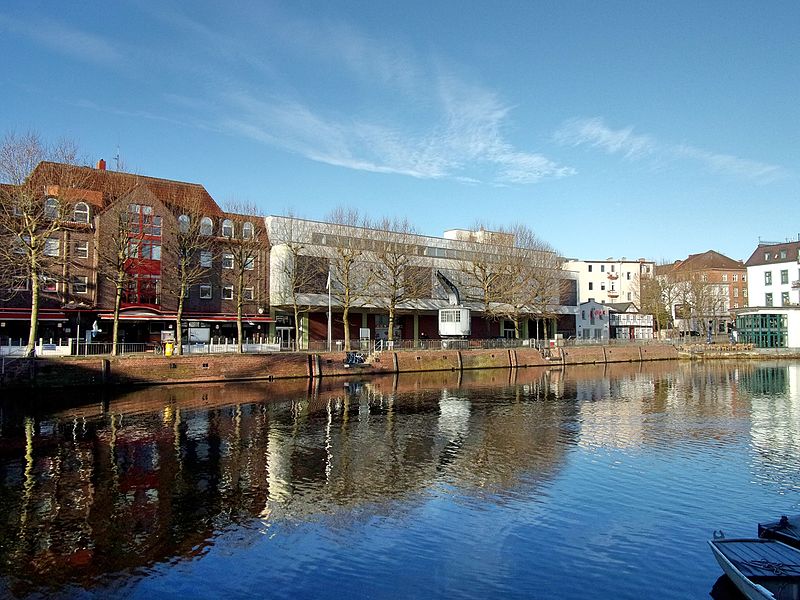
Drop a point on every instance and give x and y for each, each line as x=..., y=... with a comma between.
x=454, y=322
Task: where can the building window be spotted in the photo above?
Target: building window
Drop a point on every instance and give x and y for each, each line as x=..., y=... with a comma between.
x=206, y=226
x=744, y=278
x=19, y=284
x=184, y=222
x=629, y=275
x=629, y=296
x=80, y=213
x=735, y=292
x=227, y=228
x=227, y=292
x=590, y=268
x=783, y=254
x=785, y=276
x=144, y=249
x=52, y=247
x=602, y=286
x=249, y=263
x=602, y=268
x=48, y=284
x=143, y=289
x=51, y=207
x=142, y=221
x=768, y=299
x=744, y=292
x=81, y=250
x=205, y=292
x=613, y=267
x=248, y=294
x=725, y=277
x=247, y=231
x=766, y=255
x=591, y=286
x=205, y=259
x=704, y=278
x=768, y=278
x=80, y=284
x=785, y=299
x=735, y=278
x=227, y=261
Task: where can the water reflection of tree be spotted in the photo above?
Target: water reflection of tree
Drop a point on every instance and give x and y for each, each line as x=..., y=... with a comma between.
x=89, y=491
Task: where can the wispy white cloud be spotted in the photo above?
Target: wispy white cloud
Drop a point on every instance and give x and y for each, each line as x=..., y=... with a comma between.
x=734, y=165
x=67, y=40
x=594, y=132
x=466, y=141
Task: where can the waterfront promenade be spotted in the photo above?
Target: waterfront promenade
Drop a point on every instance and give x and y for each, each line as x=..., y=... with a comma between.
x=141, y=369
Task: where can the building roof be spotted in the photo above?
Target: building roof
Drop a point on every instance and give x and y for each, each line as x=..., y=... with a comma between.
x=767, y=253
x=114, y=183
x=706, y=261
x=623, y=306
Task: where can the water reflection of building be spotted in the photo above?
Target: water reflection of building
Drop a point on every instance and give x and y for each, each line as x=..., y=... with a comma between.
x=88, y=491
x=774, y=391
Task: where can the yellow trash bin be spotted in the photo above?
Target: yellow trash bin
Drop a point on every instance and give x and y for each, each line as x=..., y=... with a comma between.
x=168, y=348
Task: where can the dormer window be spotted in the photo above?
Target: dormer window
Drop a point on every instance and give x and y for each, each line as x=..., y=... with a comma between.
x=183, y=223
x=247, y=231
x=80, y=213
x=227, y=228
x=206, y=226
x=51, y=208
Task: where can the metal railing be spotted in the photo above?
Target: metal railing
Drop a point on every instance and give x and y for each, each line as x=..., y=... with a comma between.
x=270, y=345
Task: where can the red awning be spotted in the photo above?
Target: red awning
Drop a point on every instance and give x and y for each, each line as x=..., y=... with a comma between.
x=24, y=314
x=149, y=315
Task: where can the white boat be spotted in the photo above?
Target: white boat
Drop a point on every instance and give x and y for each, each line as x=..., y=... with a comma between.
x=761, y=569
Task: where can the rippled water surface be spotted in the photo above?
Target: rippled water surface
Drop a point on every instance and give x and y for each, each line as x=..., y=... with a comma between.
x=594, y=482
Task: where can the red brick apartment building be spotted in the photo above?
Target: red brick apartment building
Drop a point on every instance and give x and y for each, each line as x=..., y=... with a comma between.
x=107, y=212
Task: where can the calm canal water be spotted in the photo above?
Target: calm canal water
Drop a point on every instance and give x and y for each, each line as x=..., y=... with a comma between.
x=593, y=482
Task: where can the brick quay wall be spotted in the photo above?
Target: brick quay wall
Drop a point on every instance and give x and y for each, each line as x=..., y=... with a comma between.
x=155, y=370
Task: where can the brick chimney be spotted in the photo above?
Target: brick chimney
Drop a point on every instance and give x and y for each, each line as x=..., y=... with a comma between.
x=101, y=164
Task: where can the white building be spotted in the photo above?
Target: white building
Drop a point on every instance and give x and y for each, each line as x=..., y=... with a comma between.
x=773, y=275
x=593, y=321
x=608, y=281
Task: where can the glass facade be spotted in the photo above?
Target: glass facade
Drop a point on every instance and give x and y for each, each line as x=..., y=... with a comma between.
x=763, y=330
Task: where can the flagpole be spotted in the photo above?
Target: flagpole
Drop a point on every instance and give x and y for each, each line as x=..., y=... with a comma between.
x=329, y=309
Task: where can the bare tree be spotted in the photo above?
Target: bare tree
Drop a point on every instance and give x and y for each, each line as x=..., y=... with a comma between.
x=482, y=276
x=397, y=278
x=190, y=251
x=120, y=237
x=35, y=207
x=658, y=295
x=351, y=274
x=532, y=278
x=246, y=251
x=299, y=273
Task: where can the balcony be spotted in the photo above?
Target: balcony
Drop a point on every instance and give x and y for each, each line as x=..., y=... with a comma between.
x=613, y=294
x=796, y=285
x=613, y=275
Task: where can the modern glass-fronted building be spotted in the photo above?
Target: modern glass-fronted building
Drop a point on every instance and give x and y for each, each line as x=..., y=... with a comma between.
x=769, y=327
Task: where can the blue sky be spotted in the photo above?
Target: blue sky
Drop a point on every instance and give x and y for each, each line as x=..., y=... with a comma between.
x=637, y=129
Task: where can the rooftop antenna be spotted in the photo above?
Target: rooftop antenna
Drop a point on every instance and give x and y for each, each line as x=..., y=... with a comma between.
x=116, y=158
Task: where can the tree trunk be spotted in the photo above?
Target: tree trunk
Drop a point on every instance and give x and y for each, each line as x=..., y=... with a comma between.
x=240, y=286
x=117, y=302
x=178, y=318
x=297, y=337
x=346, y=321
x=390, y=333
x=30, y=349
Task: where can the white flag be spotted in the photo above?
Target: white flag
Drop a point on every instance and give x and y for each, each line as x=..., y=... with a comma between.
x=328, y=284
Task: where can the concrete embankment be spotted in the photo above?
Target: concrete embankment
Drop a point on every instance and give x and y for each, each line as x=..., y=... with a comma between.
x=153, y=370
